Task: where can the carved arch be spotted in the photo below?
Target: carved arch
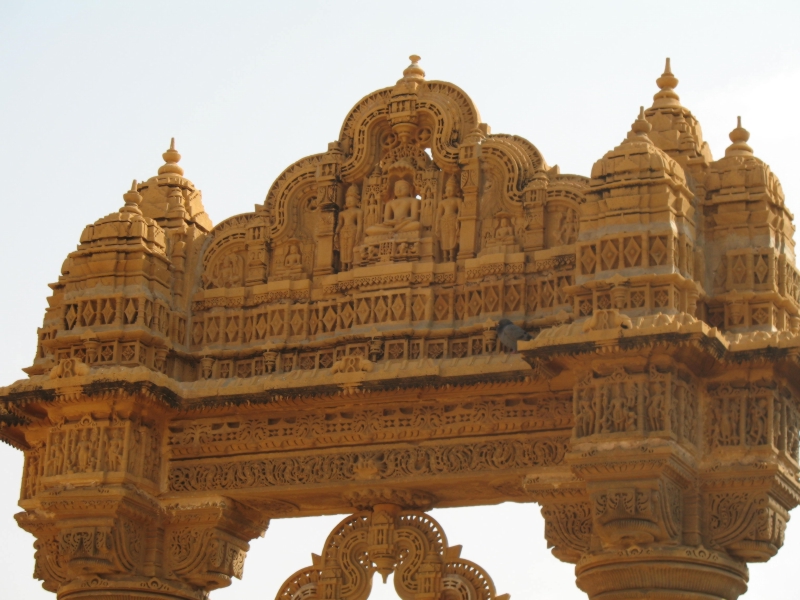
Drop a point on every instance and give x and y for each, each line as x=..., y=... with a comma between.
x=296, y=184
x=449, y=111
x=516, y=158
x=388, y=539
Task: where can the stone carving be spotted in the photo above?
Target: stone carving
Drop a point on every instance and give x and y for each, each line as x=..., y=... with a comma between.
x=69, y=367
x=350, y=227
x=646, y=402
x=568, y=529
x=350, y=466
x=748, y=525
x=447, y=215
x=409, y=544
x=336, y=349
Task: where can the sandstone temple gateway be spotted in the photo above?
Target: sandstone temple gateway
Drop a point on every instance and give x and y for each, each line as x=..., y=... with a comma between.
x=335, y=352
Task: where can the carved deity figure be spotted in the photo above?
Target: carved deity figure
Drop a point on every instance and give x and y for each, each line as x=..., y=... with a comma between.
x=114, y=452
x=447, y=219
x=567, y=225
x=83, y=451
x=504, y=234
x=293, y=257
x=619, y=412
x=228, y=272
x=586, y=413
x=56, y=458
x=655, y=412
x=350, y=226
x=757, y=422
x=401, y=212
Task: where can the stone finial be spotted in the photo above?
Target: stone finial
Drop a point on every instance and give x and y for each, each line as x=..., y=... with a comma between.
x=640, y=128
x=739, y=137
x=667, y=83
x=414, y=72
x=171, y=158
x=132, y=200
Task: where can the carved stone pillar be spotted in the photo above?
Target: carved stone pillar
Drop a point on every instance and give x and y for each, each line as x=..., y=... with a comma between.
x=93, y=499
x=673, y=484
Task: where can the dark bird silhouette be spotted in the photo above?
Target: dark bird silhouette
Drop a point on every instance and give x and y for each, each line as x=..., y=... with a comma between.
x=509, y=334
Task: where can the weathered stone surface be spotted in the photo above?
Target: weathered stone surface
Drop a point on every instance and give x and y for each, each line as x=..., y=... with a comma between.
x=336, y=351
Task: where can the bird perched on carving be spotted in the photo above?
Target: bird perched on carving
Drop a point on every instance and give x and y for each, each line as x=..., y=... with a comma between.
x=509, y=334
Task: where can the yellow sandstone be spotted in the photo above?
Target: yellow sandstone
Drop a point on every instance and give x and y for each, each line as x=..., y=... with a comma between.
x=335, y=351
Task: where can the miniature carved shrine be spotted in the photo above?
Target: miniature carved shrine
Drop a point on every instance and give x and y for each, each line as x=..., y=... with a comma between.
x=335, y=352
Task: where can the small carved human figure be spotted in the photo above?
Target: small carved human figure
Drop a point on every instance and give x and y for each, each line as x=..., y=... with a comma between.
x=655, y=411
x=757, y=422
x=401, y=212
x=567, y=227
x=114, y=451
x=228, y=272
x=56, y=458
x=447, y=219
x=619, y=413
x=504, y=233
x=586, y=413
x=83, y=451
x=293, y=256
x=349, y=226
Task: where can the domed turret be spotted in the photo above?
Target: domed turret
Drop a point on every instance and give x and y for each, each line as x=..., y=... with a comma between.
x=637, y=233
x=128, y=226
x=746, y=198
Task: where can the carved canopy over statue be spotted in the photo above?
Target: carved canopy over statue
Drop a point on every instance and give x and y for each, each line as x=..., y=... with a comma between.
x=336, y=351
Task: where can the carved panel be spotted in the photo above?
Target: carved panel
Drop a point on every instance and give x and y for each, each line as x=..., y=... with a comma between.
x=392, y=463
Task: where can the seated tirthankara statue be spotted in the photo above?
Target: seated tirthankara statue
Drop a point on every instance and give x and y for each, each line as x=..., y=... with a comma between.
x=399, y=237
x=401, y=212
x=502, y=239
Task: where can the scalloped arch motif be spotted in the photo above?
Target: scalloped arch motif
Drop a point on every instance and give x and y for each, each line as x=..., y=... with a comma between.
x=377, y=143
x=387, y=539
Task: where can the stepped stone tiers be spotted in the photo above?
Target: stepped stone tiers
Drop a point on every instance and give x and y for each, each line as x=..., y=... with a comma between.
x=334, y=351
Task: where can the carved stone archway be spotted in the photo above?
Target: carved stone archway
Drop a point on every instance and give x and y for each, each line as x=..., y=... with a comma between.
x=361, y=331
x=387, y=539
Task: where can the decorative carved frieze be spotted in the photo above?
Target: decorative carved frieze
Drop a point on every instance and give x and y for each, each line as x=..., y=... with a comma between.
x=389, y=464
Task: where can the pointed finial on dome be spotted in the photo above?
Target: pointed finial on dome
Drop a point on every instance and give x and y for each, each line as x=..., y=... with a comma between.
x=132, y=200
x=667, y=83
x=640, y=128
x=414, y=72
x=739, y=137
x=171, y=158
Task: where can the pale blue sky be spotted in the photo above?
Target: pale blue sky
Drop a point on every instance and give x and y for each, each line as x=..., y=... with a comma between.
x=91, y=92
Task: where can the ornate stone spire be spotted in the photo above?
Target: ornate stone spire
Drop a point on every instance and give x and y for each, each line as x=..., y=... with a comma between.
x=414, y=72
x=132, y=200
x=640, y=128
x=171, y=158
x=667, y=83
x=739, y=137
